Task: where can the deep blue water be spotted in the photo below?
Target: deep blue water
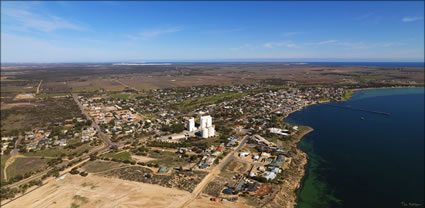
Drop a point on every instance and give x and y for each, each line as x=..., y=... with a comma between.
x=377, y=161
x=386, y=64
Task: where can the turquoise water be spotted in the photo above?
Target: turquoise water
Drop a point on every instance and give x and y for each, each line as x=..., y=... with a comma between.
x=362, y=159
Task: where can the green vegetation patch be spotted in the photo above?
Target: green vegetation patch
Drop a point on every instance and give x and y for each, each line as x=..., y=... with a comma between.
x=166, y=158
x=119, y=156
x=3, y=160
x=123, y=96
x=21, y=166
x=86, y=89
x=195, y=103
x=92, y=186
x=100, y=166
x=79, y=200
x=348, y=94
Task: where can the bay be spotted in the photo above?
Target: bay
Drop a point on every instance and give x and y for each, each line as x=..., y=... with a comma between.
x=364, y=159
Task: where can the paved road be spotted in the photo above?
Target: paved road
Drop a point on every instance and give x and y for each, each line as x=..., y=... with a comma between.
x=214, y=172
x=232, y=154
x=94, y=124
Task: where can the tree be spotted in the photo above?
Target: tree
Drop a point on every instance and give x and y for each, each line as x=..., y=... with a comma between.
x=74, y=171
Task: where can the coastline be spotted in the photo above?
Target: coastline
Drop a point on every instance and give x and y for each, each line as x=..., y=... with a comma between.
x=288, y=194
x=302, y=157
x=302, y=198
x=377, y=88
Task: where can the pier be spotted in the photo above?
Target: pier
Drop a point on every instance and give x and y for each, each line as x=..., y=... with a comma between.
x=359, y=109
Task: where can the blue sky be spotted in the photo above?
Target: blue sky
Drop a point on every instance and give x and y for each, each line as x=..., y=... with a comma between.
x=111, y=31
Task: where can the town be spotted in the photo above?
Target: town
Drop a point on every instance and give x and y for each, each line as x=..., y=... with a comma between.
x=182, y=137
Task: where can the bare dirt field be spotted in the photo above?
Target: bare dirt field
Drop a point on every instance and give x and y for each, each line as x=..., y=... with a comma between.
x=24, y=96
x=142, y=158
x=5, y=106
x=96, y=191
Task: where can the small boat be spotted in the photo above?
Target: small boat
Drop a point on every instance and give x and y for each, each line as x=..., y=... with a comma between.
x=362, y=118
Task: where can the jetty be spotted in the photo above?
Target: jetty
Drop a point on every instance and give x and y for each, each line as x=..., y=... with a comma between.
x=359, y=109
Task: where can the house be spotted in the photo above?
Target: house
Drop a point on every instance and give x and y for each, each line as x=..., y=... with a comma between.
x=162, y=169
x=252, y=187
x=269, y=175
x=202, y=166
x=240, y=185
x=228, y=191
x=275, y=164
x=210, y=160
x=281, y=158
x=243, y=154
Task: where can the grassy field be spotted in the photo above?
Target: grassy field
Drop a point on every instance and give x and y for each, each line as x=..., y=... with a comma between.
x=58, y=151
x=99, y=166
x=24, y=165
x=51, y=152
x=120, y=96
x=119, y=156
x=166, y=158
x=3, y=160
x=195, y=103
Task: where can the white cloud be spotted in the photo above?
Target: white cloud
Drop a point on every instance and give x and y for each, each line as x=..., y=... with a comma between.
x=18, y=48
x=26, y=20
x=355, y=45
x=288, y=34
x=411, y=19
x=148, y=34
x=287, y=44
x=326, y=42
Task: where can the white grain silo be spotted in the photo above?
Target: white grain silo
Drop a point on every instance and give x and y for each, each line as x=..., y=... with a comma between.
x=204, y=133
x=211, y=131
x=190, y=125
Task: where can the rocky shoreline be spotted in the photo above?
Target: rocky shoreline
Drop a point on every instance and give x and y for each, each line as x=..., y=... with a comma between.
x=287, y=195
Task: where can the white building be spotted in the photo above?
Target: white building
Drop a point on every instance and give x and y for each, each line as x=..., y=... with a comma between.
x=278, y=131
x=244, y=154
x=269, y=175
x=211, y=131
x=205, y=121
x=190, y=125
x=204, y=133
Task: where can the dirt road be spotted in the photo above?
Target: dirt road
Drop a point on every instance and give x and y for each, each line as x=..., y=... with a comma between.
x=38, y=87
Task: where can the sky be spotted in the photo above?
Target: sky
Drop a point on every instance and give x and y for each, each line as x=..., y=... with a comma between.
x=111, y=31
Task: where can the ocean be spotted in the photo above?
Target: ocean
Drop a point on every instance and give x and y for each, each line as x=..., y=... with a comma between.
x=363, y=159
x=383, y=64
